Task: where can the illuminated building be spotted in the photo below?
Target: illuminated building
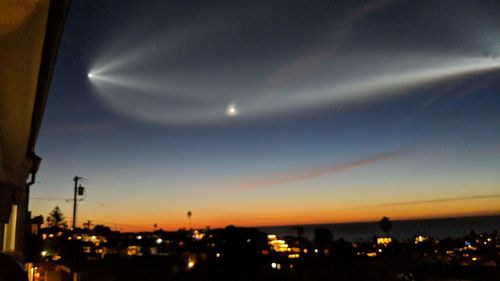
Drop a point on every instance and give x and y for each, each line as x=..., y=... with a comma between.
x=384, y=240
x=420, y=239
x=278, y=245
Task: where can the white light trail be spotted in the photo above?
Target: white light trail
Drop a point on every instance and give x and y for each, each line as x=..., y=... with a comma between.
x=158, y=99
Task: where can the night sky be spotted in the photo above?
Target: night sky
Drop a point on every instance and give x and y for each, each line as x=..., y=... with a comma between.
x=273, y=112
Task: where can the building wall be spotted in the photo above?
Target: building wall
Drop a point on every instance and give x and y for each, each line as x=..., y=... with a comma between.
x=22, y=38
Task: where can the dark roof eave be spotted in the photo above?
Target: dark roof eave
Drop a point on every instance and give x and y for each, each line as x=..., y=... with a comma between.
x=58, y=11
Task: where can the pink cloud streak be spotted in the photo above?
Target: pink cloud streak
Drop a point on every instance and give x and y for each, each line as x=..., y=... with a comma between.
x=314, y=172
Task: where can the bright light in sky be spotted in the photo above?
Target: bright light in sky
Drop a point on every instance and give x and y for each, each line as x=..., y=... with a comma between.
x=232, y=110
x=90, y=75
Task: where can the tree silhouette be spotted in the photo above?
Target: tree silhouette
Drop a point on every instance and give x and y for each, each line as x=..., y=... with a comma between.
x=322, y=237
x=56, y=218
x=300, y=231
x=102, y=230
x=385, y=224
x=189, y=214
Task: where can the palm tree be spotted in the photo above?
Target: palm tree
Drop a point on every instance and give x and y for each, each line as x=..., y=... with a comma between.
x=386, y=225
x=189, y=218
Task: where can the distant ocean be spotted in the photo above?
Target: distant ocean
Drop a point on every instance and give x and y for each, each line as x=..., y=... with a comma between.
x=402, y=230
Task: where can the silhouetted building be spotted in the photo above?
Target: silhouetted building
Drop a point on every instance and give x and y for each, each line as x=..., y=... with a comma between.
x=29, y=39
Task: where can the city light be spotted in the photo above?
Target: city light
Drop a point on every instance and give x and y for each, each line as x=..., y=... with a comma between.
x=384, y=240
x=279, y=245
x=420, y=239
x=134, y=251
x=197, y=235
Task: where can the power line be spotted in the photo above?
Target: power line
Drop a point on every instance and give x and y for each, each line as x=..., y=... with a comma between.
x=68, y=200
x=49, y=198
x=121, y=224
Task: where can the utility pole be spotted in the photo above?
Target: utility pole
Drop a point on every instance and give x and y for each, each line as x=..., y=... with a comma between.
x=79, y=190
x=75, y=179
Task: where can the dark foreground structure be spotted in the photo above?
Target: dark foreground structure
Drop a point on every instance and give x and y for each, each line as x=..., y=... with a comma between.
x=386, y=269
x=235, y=253
x=30, y=32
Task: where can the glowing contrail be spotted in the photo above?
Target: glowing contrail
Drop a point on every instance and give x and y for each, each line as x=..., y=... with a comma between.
x=213, y=68
x=382, y=84
x=156, y=99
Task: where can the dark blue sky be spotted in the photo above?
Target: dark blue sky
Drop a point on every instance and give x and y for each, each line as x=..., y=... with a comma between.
x=336, y=105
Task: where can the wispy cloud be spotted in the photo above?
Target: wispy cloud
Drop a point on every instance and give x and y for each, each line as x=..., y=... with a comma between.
x=441, y=200
x=86, y=128
x=315, y=172
x=318, y=54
